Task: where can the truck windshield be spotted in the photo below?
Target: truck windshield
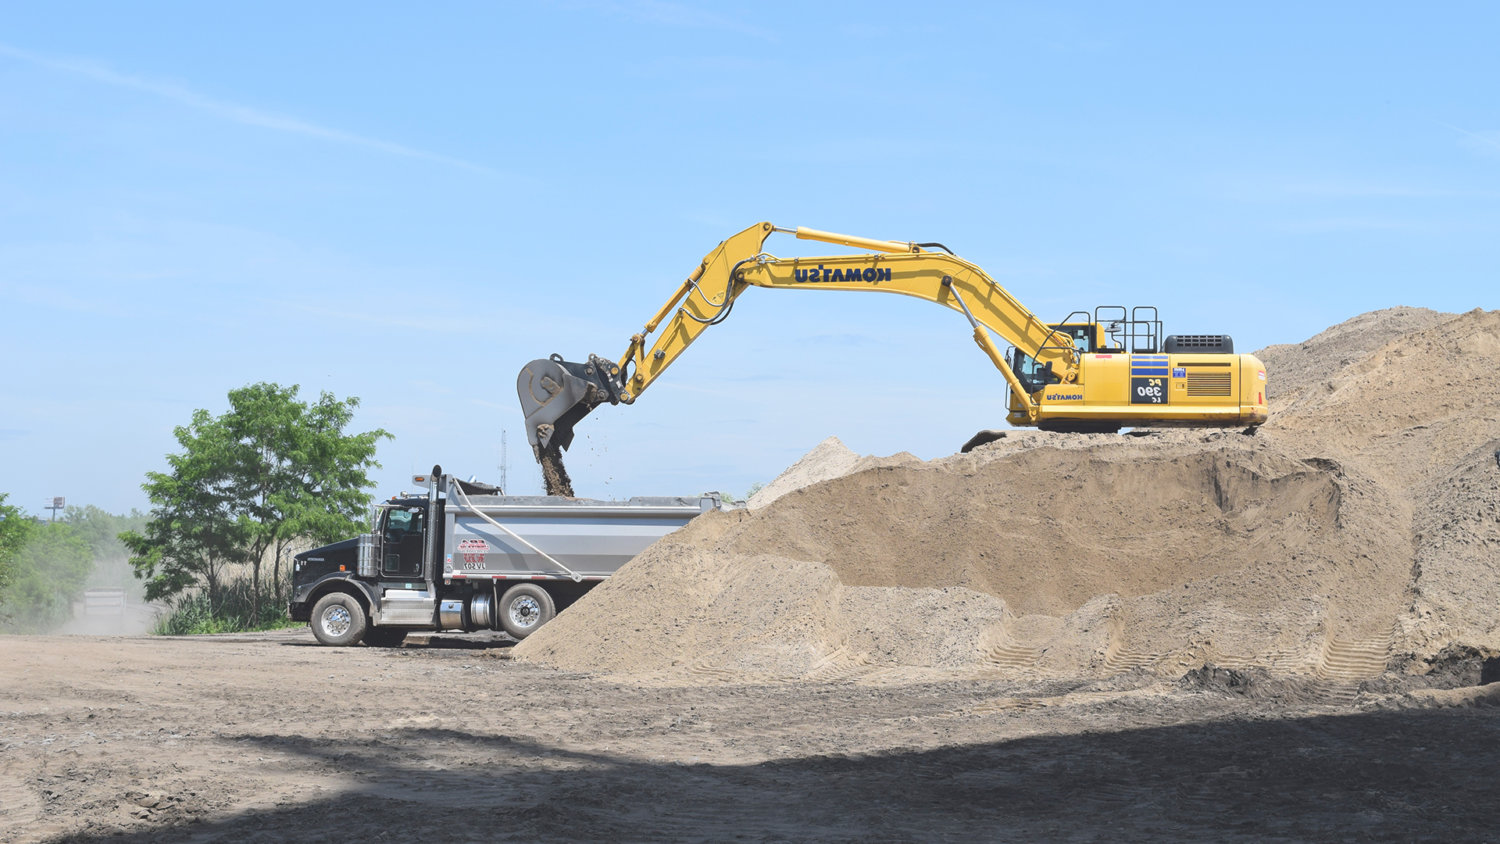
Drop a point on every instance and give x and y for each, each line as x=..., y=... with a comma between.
x=399, y=522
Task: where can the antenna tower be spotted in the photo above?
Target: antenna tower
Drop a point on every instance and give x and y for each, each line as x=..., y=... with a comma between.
x=504, y=481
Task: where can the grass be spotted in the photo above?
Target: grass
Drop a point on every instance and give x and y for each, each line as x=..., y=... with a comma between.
x=195, y=614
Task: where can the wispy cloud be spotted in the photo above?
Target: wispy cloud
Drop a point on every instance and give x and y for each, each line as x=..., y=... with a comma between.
x=522, y=325
x=1372, y=190
x=846, y=340
x=223, y=109
x=437, y=325
x=681, y=16
x=1272, y=189
x=1354, y=224
x=1489, y=140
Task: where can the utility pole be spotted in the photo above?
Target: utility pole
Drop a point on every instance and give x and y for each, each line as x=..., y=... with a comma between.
x=504, y=481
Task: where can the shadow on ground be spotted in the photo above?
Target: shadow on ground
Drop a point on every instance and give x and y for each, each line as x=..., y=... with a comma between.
x=1408, y=775
x=427, y=641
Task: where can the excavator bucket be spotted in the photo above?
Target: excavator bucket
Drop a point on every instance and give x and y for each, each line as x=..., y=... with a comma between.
x=984, y=437
x=555, y=394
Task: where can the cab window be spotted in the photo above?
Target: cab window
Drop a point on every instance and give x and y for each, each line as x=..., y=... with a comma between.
x=1082, y=336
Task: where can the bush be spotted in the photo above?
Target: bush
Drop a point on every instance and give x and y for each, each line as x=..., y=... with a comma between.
x=46, y=575
x=194, y=613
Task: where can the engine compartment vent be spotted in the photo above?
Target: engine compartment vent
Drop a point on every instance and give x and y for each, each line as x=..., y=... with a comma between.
x=1209, y=384
x=1210, y=344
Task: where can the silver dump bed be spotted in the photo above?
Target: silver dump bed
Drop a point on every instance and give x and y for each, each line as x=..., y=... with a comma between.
x=543, y=537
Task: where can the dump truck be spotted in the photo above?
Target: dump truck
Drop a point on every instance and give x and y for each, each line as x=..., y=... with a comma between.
x=465, y=557
x=1091, y=372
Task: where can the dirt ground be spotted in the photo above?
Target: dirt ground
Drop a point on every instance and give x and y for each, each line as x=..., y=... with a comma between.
x=269, y=737
x=1171, y=635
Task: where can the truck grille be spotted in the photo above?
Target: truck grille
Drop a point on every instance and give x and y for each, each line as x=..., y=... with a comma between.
x=1208, y=384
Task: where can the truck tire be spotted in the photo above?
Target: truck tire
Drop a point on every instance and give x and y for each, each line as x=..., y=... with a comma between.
x=525, y=607
x=384, y=637
x=338, y=619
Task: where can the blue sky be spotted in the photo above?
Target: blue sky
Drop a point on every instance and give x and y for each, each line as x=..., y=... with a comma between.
x=407, y=205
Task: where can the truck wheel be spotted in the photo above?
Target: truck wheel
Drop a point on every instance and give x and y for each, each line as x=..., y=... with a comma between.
x=384, y=637
x=525, y=607
x=338, y=619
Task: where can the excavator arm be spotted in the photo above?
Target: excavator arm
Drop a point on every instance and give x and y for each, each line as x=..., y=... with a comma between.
x=556, y=394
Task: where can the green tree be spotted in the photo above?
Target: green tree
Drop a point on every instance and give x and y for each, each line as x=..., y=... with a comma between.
x=51, y=569
x=190, y=535
x=15, y=527
x=269, y=471
x=101, y=529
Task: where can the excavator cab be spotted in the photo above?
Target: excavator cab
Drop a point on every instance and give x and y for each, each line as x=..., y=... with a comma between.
x=1031, y=375
x=1110, y=337
x=1086, y=336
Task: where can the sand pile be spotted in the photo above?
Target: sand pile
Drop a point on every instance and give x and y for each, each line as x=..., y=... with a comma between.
x=1357, y=530
x=829, y=459
x=1410, y=409
x=1420, y=412
x=1296, y=367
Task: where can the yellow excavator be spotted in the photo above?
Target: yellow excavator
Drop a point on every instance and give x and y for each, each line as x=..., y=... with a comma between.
x=1093, y=372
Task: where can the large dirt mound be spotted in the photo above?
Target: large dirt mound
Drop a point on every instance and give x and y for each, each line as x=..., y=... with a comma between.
x=1355, y=531
x=1295, y=367
x=1411, y=408
x=829, y=459
x=1074, y=554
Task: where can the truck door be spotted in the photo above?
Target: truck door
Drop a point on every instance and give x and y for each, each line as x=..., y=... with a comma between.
x=402, y=543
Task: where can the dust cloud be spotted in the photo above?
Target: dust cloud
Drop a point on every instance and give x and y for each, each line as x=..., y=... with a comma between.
x=114, y=604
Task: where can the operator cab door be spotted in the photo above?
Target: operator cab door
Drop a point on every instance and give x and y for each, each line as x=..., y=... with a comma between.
x=1085, y=339
x=402, y=535
x=1034, y=377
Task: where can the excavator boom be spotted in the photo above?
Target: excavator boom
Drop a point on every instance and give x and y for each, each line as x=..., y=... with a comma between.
x=1051, y=391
